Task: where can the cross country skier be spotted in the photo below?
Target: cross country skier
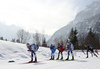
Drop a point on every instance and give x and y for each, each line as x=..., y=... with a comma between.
x=60, y=49
x=69, y=48
x=32, y=48
x=53, y=49
x=89, y=48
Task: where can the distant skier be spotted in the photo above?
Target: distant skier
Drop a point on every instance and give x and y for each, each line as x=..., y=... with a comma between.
x=53, y=49
x=69, y=48
x=32, y=48
x=89, y=48
x=60, y=49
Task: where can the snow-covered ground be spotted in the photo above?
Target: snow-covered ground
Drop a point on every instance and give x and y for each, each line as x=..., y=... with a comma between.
x=18, y=52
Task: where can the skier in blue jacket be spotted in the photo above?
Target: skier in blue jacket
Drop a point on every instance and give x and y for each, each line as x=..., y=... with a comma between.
x=89, y=48
x=53, y=49
x=32, y=48
x=70, y=48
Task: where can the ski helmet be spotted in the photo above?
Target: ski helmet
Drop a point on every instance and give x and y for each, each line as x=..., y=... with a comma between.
x=27, y=44
x=51, y=44
x=58, y=43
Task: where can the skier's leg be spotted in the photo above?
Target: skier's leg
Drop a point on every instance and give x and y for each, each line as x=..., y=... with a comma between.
x=72, y=55
x=35, y=57
x=58, y=55
x=51, y=56
x=87, y=53
x=68, y=55
x=92, y=52
x=61, y=55
x=31, y=57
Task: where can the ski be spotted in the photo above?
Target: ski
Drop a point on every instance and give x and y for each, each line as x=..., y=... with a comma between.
x=86, y=57
x=31, y=62
x=68, y=60
x=58, y=59
x=65, y=60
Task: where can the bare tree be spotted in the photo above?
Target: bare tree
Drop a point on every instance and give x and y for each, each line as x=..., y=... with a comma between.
x=23, y=36
x=56, y=41
x=36, y=38
x=44, y=43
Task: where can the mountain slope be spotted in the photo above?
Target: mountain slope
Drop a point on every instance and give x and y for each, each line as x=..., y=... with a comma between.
x=8, y=32
x=84, y=20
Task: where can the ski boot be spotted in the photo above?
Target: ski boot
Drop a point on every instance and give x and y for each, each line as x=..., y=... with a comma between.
x=35, y=59
x=87, y=57
x=72, y=58
x=31, y=60
x=67, y=58
x=61, y=58
x=58, y=57
x=51, y=58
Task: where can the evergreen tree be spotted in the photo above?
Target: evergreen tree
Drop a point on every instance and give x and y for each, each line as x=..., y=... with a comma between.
x=73, y=38
x=71, y=35
x=93, y=39
x=90, y=38
x=44, y=44
x=13, y=40
x=5, y=39
x=1, y=38
x=18, y=41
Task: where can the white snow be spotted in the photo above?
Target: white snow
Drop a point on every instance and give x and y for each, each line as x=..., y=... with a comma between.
x=18, y=53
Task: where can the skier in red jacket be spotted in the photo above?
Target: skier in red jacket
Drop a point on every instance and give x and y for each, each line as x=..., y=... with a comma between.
x=60, y=49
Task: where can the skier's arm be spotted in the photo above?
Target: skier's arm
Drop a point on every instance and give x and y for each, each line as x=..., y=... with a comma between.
x=72, y=47
x=54, y=49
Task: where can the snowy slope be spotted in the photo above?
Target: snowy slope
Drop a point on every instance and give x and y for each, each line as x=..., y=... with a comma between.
x=18, y=53
x=9, y=50
x=84, y=20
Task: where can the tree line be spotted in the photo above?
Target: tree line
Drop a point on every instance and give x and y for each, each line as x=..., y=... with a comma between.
x=79, y=41
x=24, y=37
x=91, y=38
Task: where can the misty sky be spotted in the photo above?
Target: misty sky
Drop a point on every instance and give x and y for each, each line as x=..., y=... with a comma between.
x=40, y=15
